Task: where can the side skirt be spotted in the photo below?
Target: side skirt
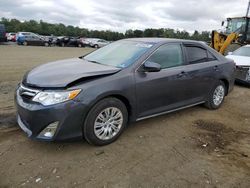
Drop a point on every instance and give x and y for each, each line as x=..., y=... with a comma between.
x=167, y=112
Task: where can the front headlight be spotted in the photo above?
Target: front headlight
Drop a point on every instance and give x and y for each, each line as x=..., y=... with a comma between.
x=54, y=97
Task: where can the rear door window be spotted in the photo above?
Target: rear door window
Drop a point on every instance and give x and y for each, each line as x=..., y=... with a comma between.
x=196, y=54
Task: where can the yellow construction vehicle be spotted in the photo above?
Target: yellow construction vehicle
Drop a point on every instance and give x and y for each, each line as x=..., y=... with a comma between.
x=237, y=33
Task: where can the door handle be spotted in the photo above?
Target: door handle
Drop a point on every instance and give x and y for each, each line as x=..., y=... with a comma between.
x=216, y=68
x=182, y=74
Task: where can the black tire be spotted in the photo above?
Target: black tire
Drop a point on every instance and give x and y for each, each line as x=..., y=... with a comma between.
x=96, y=46
x=88, y=128
x=25, y=43
x=210, y=104
x=46, y=44
x=79, y=45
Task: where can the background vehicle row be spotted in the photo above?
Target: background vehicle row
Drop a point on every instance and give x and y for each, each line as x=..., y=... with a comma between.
x=29, y=38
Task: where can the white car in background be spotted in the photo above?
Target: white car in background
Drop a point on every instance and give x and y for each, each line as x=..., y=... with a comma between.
x=241, y=57
x=11, y=37
x=97, y=43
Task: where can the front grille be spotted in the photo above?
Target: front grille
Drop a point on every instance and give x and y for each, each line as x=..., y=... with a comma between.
x=243, y=73
x=27, y=93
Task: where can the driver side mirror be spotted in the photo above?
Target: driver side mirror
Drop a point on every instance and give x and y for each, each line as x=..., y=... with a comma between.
x=149, y=66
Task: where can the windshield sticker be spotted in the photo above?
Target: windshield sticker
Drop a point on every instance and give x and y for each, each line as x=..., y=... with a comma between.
x=143, y=45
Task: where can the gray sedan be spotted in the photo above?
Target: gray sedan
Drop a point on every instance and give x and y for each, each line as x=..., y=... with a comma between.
x=97, y=43
x=97, y=95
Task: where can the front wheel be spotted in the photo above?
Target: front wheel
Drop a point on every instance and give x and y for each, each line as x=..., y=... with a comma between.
x=217, y=96
x=105, y=122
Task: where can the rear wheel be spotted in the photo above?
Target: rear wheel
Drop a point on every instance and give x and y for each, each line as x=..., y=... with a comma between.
x=25, y=43
x=217, y=96
x=46, y=44
x=105, y=122
x=79, y=45
x=96, y=46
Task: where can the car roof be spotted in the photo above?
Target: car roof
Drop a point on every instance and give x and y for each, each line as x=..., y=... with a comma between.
x=156, y=40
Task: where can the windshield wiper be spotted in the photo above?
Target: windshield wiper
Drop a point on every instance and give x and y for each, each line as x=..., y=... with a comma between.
x=92, y=61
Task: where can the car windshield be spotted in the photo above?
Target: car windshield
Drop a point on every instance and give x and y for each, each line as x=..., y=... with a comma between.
x=119, y=54
x=243, y=51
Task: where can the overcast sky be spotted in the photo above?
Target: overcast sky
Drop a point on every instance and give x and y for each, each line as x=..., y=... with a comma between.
x=120, y=15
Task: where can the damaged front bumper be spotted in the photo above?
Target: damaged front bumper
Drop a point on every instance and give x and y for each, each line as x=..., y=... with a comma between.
x=243, y=75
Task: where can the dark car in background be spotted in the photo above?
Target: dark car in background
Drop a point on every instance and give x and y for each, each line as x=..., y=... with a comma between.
x=96, y=95
x=3, y=37
x=71, y=42
x=67, y=41
x=61, y=41
x=83, y=42
x=34, y=40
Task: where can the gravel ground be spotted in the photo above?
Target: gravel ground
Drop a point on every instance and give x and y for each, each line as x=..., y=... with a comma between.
x=195, y=147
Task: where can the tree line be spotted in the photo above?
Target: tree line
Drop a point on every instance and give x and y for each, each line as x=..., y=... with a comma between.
x=44, y=28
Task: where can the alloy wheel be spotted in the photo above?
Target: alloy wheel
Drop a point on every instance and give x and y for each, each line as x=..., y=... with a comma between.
x=108, y=123
x=219, y=94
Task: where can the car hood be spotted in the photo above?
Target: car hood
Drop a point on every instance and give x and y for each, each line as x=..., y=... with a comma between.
x=64, y=72
x=240, y=60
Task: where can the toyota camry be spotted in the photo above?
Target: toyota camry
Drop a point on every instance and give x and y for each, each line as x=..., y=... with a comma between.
x=96, y=95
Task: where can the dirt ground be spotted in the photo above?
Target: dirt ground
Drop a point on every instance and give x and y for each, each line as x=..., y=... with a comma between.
x=195, y=147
